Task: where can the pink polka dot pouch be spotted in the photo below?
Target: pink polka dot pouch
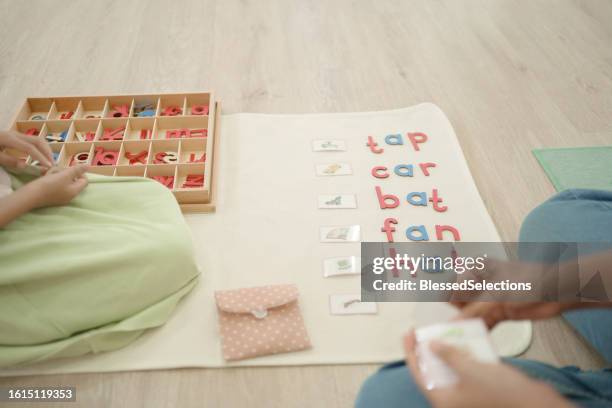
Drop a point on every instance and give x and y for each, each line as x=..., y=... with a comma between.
x=260, y=321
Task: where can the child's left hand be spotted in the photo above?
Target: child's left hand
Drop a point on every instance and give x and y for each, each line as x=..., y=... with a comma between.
x=57, y=187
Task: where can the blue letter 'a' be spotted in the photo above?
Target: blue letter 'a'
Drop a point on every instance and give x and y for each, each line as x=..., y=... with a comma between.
x=410, y=233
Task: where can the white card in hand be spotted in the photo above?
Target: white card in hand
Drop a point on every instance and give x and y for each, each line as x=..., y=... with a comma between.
x=470, y=335
x=337, y=201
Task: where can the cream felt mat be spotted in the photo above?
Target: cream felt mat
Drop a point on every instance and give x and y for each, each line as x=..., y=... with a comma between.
x=266, y=231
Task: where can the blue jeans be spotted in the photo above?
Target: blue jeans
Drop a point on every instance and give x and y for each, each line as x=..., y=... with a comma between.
x=570, y=216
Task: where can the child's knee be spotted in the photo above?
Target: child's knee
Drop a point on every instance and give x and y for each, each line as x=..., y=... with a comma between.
x=571, y=216
x=541, y=224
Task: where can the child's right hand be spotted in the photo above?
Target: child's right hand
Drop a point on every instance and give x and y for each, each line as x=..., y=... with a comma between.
x=57, y=187
x=36, y=147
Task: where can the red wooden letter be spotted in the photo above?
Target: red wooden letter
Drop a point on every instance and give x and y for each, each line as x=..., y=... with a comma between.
x=376, y=172
x=388, y=229
x=425, y=166
x=416, y=138
x=372, y=145
x=382, y=199
x=441, y=228
x=435, y=200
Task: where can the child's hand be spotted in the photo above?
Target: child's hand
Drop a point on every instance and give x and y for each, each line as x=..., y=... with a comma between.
x=57, y=187
x=34, y=146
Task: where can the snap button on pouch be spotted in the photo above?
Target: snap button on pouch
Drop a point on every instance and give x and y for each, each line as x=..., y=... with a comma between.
x=259, y=313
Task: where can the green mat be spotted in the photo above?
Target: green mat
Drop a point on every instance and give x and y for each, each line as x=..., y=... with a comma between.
x=577, y=167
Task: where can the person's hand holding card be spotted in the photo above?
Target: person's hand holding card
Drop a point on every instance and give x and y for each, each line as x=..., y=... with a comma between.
x=477, y=384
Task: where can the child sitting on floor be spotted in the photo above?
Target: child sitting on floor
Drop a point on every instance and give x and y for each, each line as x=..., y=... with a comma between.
x=88, y=263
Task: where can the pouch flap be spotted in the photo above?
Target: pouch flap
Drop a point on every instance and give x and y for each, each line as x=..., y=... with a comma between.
x=256, y=300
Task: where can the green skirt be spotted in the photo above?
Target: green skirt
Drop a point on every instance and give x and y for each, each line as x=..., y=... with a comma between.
x=92, y=276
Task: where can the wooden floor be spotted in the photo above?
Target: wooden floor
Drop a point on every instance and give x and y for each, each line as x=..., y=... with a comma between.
x=511, y=76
